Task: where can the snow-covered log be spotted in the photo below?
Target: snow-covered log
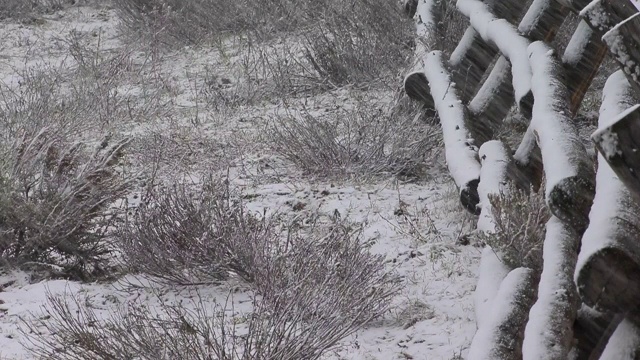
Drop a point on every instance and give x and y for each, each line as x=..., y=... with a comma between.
x=582, y=59
x=410, y=7
x=504, y=36
x=490, y=275
x=602, y=15
x=623, y=40
x=624, y=344
x=568, y=169
x=500, y=338
x=592, y=330
x=415, y=82
x=469, y=61
x=542, y=20
x=549, y=332
x=608, y=270
x=528, y=159
x=460, y=150
x=473, y=56
x=574, y=5
x=492, y=102
x=496, y=159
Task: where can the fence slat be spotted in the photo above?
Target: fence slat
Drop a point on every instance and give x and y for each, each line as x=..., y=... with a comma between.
x=460, y=150
x=624, y=42
x=501, y=337
x=549, y=332
x=581, y=60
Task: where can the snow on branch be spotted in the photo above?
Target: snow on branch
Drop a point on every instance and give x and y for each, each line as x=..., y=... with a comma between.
x=568, y=170
x=549, y=332
x=608, y=269
x=503, y=35
x=460, y=149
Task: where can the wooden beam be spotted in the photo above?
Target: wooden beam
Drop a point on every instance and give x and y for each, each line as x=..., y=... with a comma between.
x=501, y=337
x=568, y=169
x=549, y=332
x=618, y=142
x=473, y=56
x=461, y=151
x=581, y=60
x=608, y=270
x=623, y=41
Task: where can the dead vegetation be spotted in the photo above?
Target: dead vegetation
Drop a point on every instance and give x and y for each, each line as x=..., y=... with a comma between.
x=365, y=140
x=56, y=204
x=520, y=225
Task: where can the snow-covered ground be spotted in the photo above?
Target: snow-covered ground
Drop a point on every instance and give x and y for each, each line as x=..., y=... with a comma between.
x=433, y=316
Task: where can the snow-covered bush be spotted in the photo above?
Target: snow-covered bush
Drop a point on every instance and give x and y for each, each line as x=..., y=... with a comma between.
x=55, y=203
x=182, y=236
x=315, y=289
x=520, y=219
x=21, y=8
x=366, y=140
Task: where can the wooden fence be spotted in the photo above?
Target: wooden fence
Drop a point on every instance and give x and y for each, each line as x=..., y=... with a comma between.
x=585, y=302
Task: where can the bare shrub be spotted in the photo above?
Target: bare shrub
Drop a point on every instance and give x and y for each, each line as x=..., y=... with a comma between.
x=22, y=8
x=184, y=236
x=55, y=203
x=80, y=96
x=299, y=322
x=310, y=292
x=520, y=223
x=366, y=140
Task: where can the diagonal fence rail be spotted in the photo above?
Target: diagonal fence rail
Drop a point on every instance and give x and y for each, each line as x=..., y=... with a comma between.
x=584, y=303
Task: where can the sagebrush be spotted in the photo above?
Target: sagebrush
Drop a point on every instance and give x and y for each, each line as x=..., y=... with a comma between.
x=520, y=219
x=57, y=203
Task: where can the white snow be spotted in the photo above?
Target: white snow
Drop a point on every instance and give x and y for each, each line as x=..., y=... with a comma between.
x=438, y=276
x=463, y=46
x=619, y=47
x=530, y=19
x=482, y=347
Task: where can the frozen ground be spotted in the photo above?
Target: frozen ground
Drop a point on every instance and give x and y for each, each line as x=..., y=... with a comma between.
x=433, y=316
